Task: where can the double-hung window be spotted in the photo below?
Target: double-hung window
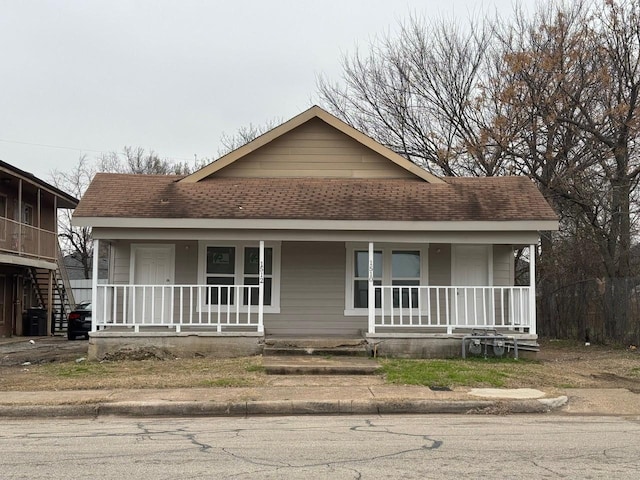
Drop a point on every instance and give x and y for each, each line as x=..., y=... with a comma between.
x=401, y=266
x=232, y=272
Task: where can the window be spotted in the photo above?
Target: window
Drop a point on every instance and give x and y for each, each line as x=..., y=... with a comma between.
x=27, y=214
x=401, y=266
x=405, y=272
x=226, y=265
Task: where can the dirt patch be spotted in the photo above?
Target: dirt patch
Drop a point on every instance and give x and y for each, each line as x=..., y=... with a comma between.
x=141, y=353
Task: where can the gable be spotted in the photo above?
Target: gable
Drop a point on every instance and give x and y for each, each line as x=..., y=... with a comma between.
x=359, y=164
x=314, y=149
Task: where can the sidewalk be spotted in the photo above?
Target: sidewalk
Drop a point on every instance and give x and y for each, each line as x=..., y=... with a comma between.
x=272, y=400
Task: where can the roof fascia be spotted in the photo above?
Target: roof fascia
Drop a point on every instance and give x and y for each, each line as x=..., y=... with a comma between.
x=298, y=120
x=287, y=224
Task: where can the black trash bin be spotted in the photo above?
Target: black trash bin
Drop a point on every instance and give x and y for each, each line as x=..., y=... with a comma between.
x=34, y=322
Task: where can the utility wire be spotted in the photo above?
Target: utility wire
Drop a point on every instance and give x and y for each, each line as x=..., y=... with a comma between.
x=79, y=149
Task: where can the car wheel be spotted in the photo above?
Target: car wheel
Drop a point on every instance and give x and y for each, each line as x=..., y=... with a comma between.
x=71, y=336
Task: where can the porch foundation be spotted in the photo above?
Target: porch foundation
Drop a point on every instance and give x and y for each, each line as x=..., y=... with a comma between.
x=185, y=345
x=435, y=345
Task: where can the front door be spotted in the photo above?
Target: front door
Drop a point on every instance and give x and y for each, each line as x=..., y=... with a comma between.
x=153, y=271
x=471, y=268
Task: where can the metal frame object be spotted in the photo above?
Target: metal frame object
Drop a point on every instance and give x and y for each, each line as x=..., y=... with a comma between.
x=489, y=337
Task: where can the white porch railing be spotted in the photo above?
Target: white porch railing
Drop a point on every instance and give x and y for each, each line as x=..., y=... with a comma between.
x=178, y=306
x=452, y=307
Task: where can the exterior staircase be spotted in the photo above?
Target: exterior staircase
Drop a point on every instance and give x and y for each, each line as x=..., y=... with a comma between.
x=62, y=294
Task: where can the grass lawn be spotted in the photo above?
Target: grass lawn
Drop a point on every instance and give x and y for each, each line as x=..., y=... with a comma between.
x=473, y=372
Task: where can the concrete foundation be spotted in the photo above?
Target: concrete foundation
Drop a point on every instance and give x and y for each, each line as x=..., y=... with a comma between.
x=240, y=344
x=183, y=345
x=435, y=346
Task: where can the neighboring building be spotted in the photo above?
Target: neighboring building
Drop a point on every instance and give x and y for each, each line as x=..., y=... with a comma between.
x=312, y=229
x=31, y=279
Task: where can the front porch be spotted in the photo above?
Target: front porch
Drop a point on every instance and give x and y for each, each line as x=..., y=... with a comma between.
x=381, y=292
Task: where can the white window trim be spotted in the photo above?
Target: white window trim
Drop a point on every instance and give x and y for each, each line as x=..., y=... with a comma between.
x=386, y=249
x=239, y=271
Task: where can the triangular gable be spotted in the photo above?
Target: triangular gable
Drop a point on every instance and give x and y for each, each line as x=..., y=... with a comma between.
x=310, y=115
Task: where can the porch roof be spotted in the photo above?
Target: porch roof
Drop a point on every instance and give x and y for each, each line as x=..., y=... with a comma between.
x=456, y=199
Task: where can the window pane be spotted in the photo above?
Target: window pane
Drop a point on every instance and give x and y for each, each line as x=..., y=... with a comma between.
x=252, y=260
x=221, y=260
x=405, y=264
x=268, y=284
x=226, y=293
x=3, y=206
x=362, y=264
x=361, y=294
x=405, y=293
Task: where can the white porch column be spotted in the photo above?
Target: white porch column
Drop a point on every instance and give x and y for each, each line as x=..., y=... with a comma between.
x=532, y=288
x=94, y=285
x=261, y=289
x=372, y=300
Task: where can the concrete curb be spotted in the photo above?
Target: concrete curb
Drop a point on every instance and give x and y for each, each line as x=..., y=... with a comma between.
x=283, y=407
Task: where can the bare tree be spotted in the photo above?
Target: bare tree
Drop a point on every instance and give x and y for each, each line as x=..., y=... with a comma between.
x=76, y=241
x=425, y=95
x=244, y=135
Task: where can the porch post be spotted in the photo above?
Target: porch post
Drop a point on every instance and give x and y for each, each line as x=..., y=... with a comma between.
x=372, y=300
x=261, y=289
x=94, y=285
x=20, y=219
x=532, y=288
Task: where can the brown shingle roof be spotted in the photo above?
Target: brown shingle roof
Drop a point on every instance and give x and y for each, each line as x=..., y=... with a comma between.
x=159, y=196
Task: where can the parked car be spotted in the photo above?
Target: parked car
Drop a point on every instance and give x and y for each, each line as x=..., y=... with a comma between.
x=79, y=321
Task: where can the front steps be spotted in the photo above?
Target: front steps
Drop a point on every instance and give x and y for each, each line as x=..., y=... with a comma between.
x=303, y=346
x=317, y=356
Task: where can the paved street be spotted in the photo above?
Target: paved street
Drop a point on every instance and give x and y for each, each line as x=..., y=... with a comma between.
x=549, y=446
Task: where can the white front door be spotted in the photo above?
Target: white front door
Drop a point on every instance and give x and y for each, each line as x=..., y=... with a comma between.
x=471, y=268
x=153, y=270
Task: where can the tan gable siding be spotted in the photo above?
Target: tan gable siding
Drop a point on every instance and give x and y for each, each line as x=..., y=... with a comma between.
x=312, y=292
x=314, y=149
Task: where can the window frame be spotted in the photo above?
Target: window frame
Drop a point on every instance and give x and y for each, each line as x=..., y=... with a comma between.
x=239, y=275
x=387, y=274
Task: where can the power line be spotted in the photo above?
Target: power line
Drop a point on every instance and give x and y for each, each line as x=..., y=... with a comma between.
x=79, y=149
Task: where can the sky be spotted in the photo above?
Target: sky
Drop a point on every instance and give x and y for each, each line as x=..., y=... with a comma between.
x=81, y=77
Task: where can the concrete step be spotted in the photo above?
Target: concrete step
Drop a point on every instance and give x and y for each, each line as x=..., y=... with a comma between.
x=320, y=351
x=338, y=346
x=316, y=365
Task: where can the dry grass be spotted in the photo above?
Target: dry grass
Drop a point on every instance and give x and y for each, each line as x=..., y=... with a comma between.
x=133, y=374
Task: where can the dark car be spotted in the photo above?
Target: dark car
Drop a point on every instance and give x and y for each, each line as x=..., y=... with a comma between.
x=79, y=321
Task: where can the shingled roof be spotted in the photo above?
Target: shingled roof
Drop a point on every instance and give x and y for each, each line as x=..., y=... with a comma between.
x=457, y=199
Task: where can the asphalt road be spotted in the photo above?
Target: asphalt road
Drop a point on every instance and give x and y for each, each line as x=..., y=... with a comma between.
x=550, y=446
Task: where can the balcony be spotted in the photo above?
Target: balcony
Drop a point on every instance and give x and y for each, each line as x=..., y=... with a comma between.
x=26, y=240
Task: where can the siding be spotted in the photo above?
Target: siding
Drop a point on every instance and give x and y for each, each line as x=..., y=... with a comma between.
x=312, y=294
x=502, y=265
x=314, y=149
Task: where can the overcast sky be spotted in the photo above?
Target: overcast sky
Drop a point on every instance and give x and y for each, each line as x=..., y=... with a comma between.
x=89, y=76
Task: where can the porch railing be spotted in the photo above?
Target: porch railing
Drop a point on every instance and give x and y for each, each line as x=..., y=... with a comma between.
x=22, y=239
x=407, y=307
x=222, y=307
